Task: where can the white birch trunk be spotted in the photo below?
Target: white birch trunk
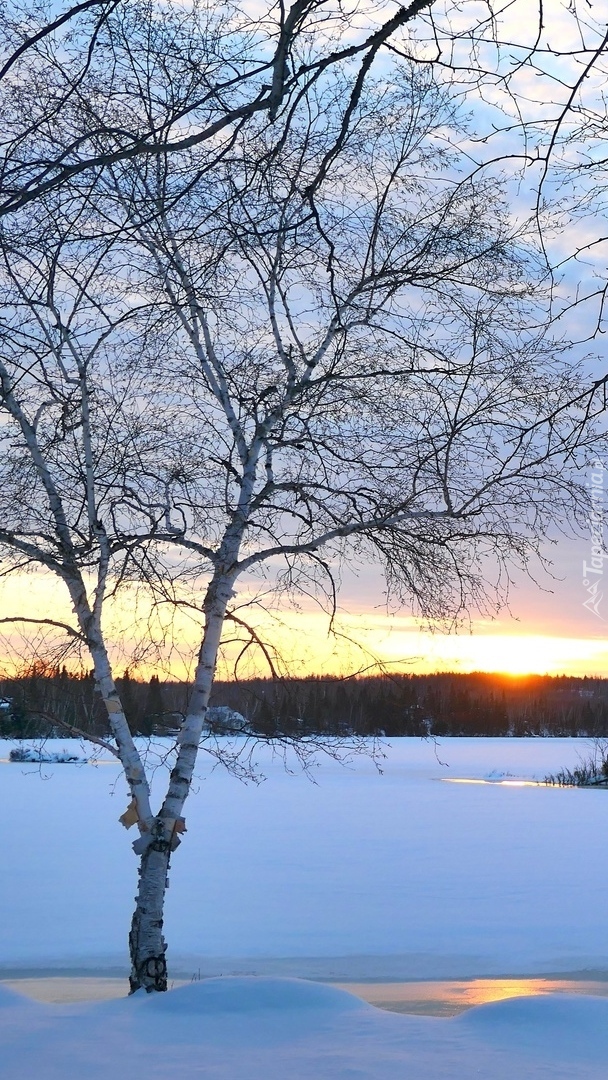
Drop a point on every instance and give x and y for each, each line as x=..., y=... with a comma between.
x=146, y=942
x=147, y=945
x=129, y=755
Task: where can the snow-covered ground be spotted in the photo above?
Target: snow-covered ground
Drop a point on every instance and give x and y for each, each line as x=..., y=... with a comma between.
x=280, y=1029
x=360, y=875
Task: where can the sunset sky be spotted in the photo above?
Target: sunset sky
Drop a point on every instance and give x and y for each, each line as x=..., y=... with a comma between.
x=548, y=630
x=557, y=626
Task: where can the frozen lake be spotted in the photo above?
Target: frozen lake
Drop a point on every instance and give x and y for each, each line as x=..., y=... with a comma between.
x=361, y=876
x=427, y=998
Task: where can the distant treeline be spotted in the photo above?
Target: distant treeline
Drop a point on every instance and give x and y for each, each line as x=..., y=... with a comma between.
x=46, y=701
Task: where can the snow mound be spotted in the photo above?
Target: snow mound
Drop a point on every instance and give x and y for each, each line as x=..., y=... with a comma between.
x=570, y=1025
x=233, y=994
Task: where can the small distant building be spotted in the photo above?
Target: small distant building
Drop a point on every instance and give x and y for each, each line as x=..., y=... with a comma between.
x=221, y=720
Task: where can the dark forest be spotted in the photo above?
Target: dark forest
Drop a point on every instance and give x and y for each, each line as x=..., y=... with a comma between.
x=45, y=702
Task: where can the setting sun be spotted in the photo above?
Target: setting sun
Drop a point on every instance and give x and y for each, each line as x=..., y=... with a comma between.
x=302, y=641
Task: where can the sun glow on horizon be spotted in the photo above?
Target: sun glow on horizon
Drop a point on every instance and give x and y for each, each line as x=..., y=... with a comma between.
x=303, y=641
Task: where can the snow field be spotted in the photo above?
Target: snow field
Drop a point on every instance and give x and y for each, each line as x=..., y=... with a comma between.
x=360, y=875
x=280, y=1029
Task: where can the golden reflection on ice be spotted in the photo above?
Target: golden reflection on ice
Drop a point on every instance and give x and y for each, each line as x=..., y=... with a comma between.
x=493, y=783
x=451, y=997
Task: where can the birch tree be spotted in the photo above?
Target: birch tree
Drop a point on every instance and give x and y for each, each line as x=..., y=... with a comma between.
x=214, y=68
x=211, y=68
x=332, y=345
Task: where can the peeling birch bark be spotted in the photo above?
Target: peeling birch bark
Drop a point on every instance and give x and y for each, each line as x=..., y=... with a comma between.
x=147, y=945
